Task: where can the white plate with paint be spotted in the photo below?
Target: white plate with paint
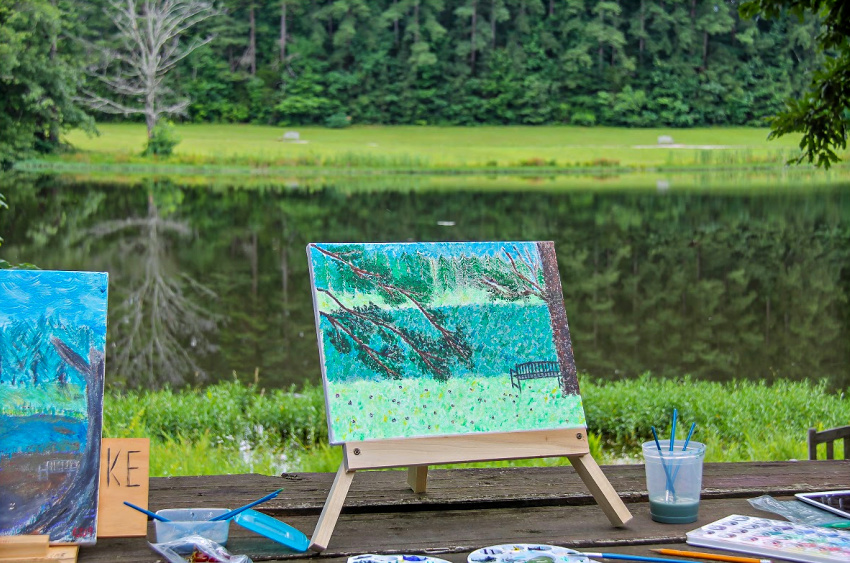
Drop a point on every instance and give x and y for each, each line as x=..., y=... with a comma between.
x=369, y=558
x=526, y=553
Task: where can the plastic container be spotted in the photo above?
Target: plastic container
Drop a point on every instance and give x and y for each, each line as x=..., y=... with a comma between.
x=192, y=521
x=673, y=480
x=274, y=529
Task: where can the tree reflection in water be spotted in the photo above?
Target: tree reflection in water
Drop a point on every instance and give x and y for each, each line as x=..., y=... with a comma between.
x=161, y=328
x=715, y=281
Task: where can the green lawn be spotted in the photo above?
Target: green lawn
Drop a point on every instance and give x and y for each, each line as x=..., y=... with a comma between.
x=441, y=147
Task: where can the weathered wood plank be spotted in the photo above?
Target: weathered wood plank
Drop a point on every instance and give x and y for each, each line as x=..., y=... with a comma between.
x=371, y=491
x=452, y=531
x=452, y=534
x=548, y=505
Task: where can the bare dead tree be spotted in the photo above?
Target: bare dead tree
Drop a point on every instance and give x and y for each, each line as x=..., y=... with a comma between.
x=148, y=47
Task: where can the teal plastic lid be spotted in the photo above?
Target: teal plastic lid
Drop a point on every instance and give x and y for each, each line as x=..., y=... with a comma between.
x=273, y=529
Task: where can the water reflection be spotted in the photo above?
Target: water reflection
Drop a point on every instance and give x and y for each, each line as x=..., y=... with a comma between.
x=160, y=329
x=718, y=284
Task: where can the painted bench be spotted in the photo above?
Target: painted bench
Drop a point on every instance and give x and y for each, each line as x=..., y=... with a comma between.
x=533, y=370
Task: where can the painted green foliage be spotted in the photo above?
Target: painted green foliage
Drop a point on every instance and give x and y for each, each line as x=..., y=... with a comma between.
x=431, y=331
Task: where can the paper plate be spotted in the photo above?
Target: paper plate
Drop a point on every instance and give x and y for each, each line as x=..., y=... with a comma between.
x=369, y=558
x=273, y=528
x=526, y=553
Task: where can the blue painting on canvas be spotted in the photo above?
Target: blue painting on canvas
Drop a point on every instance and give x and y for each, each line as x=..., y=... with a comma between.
x=52, y=351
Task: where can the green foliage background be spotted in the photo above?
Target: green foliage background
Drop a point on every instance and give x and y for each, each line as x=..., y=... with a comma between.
x=40, y=71
x=636, y=63
x=231, y=427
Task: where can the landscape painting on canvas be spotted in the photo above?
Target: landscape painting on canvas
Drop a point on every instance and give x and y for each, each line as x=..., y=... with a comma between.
x=52, y=344
x=437, y=339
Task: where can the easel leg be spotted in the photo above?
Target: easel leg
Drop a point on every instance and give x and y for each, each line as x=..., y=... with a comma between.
x=417, y=478
x=330, y=512
x=601, y=489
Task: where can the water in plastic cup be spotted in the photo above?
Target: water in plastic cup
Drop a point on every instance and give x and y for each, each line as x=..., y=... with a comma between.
x=673, y=480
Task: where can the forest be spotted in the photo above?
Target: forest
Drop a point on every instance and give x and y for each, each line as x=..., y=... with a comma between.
x=626, y=62
x=636, y=63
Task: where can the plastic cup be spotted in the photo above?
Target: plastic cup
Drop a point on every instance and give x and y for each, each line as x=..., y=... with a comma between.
x=192, y=522
x=673, y=480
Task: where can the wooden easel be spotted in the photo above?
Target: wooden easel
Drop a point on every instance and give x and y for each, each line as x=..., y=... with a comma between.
x=418, y=453
x=35, y=549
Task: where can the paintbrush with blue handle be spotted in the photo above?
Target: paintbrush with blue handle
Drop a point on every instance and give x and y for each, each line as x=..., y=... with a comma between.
x=235, y=511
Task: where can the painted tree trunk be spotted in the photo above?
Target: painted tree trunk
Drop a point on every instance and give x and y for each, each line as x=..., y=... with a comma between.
x=554, y=297
x=82, y=491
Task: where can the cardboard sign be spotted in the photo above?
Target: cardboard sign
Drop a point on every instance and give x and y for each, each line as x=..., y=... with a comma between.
x=124, y=476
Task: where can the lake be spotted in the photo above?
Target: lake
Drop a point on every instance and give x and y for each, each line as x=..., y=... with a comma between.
x=720, y=277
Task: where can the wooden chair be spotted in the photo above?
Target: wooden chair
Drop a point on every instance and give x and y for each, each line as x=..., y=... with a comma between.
x=829, y=437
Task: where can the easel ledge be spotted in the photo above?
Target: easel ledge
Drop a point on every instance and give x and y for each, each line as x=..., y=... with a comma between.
x=418, y=453
x=34, y=549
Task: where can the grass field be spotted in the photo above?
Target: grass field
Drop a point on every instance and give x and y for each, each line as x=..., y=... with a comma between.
x=438, y=148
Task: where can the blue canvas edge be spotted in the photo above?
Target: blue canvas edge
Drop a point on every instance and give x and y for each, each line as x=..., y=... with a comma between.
x=331, y=439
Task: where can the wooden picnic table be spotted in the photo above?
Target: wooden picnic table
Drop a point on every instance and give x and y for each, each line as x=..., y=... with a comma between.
x=465, y=509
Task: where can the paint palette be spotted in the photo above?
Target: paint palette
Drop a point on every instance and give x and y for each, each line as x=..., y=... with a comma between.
x=526, y=553
x=775, y=538
x=369, y=558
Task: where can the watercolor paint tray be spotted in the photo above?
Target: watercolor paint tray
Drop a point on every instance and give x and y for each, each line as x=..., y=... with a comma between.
x=774, y=538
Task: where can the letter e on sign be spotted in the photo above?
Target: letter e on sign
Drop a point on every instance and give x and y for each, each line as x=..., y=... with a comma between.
x=124, y=475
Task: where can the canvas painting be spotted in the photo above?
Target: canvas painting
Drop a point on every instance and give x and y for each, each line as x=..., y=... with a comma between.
x=52, y=347
x=440, y=339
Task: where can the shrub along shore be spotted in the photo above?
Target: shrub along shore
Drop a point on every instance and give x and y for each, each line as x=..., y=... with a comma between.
x=231, y=427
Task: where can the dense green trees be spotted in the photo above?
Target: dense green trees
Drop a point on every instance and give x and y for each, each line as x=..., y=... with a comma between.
x=38, y=77
x=822, y=114
x=618, y=62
